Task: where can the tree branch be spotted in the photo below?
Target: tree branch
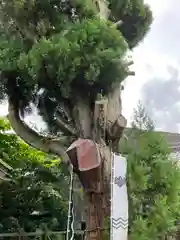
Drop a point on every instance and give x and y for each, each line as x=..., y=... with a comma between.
x=83, y=117
x=32, y=138
x=118, y=23
x=64, y=127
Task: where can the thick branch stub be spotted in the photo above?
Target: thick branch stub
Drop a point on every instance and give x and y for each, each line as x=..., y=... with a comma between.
x=115, y=129
x=118, y=23
x=32, y=138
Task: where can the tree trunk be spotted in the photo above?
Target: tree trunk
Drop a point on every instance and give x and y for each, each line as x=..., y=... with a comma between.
x=95, y=216
x=99, y=181
x=96, y=206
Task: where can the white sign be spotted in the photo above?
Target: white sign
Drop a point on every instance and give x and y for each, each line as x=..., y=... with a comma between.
x=119, y=199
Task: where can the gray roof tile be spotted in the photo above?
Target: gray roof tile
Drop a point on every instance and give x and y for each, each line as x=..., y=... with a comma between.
x=173, y=140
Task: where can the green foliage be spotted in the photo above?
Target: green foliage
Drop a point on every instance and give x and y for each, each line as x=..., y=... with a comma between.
x=64, y=48
x=94, y=47
x=36, y=195
x=4, y=124
x=136, y=14
x=15, y=152
x=32, y=19
x=153, y=182
x=35, y=198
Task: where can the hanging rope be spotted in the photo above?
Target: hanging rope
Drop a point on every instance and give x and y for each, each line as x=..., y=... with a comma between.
x=70, y=221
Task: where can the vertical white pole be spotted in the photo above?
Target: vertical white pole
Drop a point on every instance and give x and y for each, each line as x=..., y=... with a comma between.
x=119, y=199
x=112, y=177
x=70, y=203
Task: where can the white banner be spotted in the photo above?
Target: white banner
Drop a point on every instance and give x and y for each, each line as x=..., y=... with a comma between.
x=119, y=199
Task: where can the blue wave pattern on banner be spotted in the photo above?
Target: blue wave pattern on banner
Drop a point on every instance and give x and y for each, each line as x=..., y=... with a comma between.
x=120, y=223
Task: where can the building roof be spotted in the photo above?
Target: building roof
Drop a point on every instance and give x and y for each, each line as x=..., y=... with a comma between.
x=173, y=140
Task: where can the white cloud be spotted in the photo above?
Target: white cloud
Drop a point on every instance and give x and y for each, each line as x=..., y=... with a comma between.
x=150, y=60
x=147, y=65
x=159, y=6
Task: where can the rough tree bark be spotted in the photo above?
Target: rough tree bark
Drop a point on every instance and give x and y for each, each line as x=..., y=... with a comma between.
x=95, y=195
x=104, y=124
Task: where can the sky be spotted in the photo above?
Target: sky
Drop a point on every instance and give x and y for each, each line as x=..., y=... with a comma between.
x=157, y=70
x=156, y=64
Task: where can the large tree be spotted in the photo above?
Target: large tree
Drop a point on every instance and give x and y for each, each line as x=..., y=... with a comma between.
x=61, y=56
